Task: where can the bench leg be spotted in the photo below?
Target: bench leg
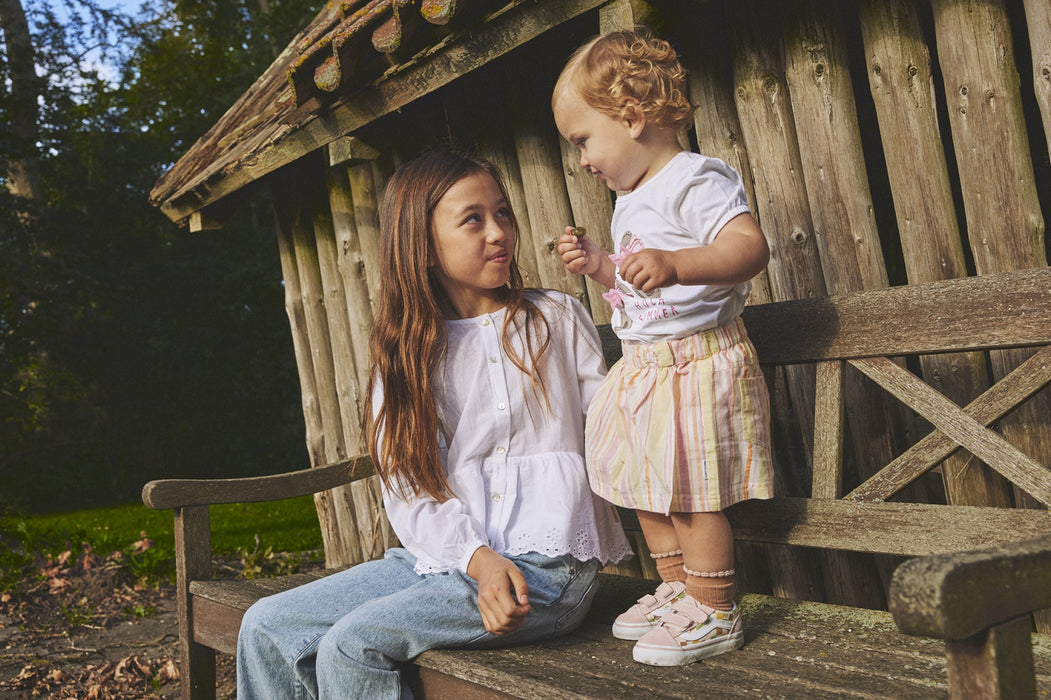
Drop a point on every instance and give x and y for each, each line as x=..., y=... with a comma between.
x=198, y=669
x=193, y=562
x=996, y=663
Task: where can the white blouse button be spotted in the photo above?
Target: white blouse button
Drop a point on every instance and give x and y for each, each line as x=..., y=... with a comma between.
x=485, y=322
x=494, y=359
x=500, y=450
x=496, y=498
x=501, y=406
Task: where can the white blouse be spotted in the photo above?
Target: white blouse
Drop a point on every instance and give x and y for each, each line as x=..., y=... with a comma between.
x=513, y=460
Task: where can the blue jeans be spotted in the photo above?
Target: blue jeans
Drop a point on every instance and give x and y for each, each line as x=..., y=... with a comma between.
x=346, y=635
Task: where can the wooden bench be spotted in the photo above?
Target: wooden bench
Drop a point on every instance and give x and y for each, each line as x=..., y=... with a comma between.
x=960, y=605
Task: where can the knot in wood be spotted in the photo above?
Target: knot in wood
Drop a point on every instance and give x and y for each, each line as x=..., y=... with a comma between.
x=799, y=237
x=912, y=70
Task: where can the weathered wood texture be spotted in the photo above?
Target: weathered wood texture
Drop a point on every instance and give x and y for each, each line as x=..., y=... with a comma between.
x=964, y=600
x=781, y=95
x=899, y=70
x=792, y=650
x=266, y=130
x=1038, y=21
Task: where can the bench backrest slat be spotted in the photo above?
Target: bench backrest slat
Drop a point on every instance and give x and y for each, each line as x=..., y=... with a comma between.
x=906, y=529
x=975, y=313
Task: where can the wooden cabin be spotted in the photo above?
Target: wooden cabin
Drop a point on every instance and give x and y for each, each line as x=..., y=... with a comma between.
x=883, y=143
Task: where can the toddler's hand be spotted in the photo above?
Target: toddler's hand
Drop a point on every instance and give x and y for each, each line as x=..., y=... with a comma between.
x=579, y=255
x=649, y=269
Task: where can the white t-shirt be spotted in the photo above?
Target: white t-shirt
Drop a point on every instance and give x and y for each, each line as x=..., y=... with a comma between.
x=516, y=467
x=685, y=205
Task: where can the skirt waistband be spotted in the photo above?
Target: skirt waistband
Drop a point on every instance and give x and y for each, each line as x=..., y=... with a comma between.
x=676, y=351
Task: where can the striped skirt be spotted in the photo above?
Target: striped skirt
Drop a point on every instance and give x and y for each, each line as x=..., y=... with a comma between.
x=682, y=425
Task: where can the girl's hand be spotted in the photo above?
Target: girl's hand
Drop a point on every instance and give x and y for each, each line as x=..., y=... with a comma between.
x=649, y=269
x=580, y=255
x=503, y=595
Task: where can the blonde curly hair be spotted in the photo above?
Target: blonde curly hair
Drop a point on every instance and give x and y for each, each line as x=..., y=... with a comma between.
x=614, y=71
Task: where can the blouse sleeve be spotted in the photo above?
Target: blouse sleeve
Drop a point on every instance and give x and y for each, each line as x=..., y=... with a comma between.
x=591, y=363
x=442, y=536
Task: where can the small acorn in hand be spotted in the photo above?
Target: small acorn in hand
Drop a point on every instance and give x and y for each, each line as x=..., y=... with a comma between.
x=579, y=231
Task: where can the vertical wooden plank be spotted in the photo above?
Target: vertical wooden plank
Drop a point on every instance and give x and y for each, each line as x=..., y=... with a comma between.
x=767, y=122
x=900, y=80
x=286, y=204
x=783, y=212
x=489, y=130
x=334, y=296
x=283, y=208
x=334, y=513
x=976, y=53
x=1038, y=22
x=345, y=372
x=625, y=14
x=365, y=201
x=540, y=165
x=352, y=268
x=373, y=532
x=709, y=73
x=1004, y=221
x=193, y=562
x=592, y=205
x=817, y=72
x=828, y=439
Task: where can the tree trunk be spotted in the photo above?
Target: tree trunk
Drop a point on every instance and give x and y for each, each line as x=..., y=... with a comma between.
x=23, y=173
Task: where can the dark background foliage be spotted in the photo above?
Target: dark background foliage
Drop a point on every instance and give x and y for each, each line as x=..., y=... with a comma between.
x=131, y=349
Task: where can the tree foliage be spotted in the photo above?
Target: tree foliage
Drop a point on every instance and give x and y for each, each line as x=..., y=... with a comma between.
x=130, y=349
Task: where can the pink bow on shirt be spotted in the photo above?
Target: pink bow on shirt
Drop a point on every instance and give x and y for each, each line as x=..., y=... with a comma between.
x=633, y=245
x=615, y=298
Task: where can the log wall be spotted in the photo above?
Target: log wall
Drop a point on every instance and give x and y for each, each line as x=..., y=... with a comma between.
x=882, y=142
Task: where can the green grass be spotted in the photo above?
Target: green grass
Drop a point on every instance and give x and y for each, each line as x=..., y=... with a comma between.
x=281, y=526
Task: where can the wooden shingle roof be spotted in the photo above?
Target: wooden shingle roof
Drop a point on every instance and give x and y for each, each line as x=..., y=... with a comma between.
x=358, y=60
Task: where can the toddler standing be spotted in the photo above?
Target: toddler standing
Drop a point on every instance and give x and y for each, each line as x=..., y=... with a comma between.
x=680, y=428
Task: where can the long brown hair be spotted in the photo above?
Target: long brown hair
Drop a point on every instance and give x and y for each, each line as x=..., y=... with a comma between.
x=408, y=337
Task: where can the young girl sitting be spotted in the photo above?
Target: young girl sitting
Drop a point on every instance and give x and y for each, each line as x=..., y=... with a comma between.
x=475, y=420
x=679, y=430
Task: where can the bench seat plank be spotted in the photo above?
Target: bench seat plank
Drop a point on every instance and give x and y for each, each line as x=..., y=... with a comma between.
x=793, y=649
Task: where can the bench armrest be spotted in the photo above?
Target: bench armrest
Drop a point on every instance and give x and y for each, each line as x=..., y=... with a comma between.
x=182, y=493
x=955, y=596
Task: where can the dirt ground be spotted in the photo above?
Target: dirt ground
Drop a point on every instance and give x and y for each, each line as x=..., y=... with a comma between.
x=88, y=632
